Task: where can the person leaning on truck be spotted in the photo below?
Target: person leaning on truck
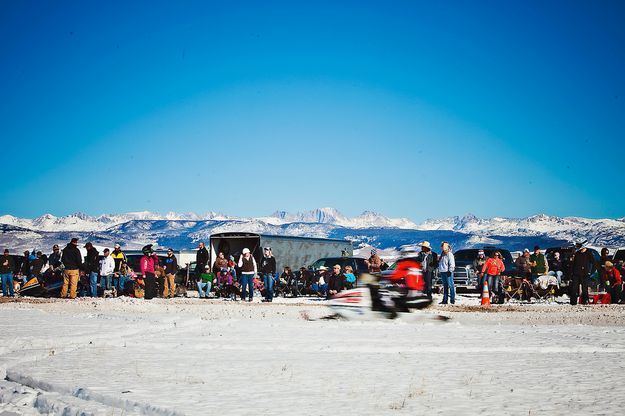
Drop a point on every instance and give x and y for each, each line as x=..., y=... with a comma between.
x=72, y=260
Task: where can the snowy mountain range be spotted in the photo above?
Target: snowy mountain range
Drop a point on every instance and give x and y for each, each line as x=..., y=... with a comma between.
x=184, y=230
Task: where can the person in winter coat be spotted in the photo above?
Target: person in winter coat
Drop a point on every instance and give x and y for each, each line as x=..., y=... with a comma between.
x=171, y=268
x=6, y=270
x=205, y=283
x=25, y=268
x=374, y=263
x=350, y=277
x=555, y=267
x=72, y=260
x=539, y=264
x=491, y=270
x=336, y=281
x=201, y=259
x=268, y=269
x=478, y=265
x=107, y=269
x=582, y=266
x=37, y=265
x=148, y=264
x=446, y=267
x=92, y=268
x=119, y=258
x=523, y=266
x=54, y=259
x=220, y=263
x=613, y=282
x=426, y=259
x=249, y=269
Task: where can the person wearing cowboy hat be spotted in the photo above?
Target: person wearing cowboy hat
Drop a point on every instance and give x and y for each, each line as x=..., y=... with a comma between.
x=427, y=258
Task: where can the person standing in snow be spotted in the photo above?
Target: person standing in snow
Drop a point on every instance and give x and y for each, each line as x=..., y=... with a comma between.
x=72, y=260
x=6, y=269
x=171, y=268
x=491, y=271
x=426, y=259
x=107, y=269
x=119, y=258
x=201, y=259
x=446, y=267
x=248, y=267
x=92, y=267
x=374, y=262
x=268, y=269
x=148, y=264
x=582, y=265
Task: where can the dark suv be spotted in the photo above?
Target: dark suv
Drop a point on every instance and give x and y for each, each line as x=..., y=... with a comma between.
x=358, y=264
x=465, y=277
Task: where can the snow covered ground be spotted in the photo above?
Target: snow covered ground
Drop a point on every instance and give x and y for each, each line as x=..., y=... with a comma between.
x=191, y=356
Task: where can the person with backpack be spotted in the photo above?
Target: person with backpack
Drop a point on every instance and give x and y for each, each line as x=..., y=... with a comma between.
x=171, y=268
x=268, y=268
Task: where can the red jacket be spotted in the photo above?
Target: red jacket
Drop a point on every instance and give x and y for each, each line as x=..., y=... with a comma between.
x=493, y=267
x=614, y=276
x=148, y=263
x=409, y=271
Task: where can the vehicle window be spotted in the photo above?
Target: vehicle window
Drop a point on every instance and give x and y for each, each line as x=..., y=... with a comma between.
x=465, y=255
x=619, y=255
x=361, y=265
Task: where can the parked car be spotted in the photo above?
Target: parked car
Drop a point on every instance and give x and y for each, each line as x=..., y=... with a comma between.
x=465, y=277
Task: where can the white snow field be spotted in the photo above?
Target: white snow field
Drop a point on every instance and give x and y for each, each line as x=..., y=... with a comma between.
x=209, y=357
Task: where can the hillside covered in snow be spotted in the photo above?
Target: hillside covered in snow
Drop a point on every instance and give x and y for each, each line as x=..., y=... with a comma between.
x=184, y=230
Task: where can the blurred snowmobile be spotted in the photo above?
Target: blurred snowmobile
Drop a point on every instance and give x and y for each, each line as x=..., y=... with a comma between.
x=387, y=295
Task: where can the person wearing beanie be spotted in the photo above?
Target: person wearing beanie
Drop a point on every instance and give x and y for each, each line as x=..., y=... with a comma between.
x=374, y=263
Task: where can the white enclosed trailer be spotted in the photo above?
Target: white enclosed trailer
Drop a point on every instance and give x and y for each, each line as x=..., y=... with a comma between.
x=288, y=251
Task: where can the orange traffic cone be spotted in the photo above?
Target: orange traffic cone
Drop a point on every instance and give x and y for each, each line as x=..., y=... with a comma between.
x=485, y=295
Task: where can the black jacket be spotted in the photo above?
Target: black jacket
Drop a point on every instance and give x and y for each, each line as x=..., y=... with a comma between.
x=583, y=263
x=6, y=264
x=171, y=265
x=202, y=256
x=268, y=265
x=71, y=258
x=92, y=261
x=54, y=260
x=336, y=282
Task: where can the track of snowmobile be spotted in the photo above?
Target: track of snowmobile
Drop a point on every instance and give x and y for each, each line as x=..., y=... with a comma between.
x=187, y=356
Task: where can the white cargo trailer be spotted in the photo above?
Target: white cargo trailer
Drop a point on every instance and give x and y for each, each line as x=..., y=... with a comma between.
x=288, y=251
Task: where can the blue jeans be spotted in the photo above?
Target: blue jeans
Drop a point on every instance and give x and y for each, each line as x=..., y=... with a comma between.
x=449, y=290
x=247, y=284
x=204, y=285
x=268, y=281
x=119, y=282
x=319, y=288
x=105, y=282
x=7, y=284
x=93, y=284
x=493, y=284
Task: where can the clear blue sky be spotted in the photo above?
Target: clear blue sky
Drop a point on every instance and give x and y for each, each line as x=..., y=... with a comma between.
x=417, y=109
